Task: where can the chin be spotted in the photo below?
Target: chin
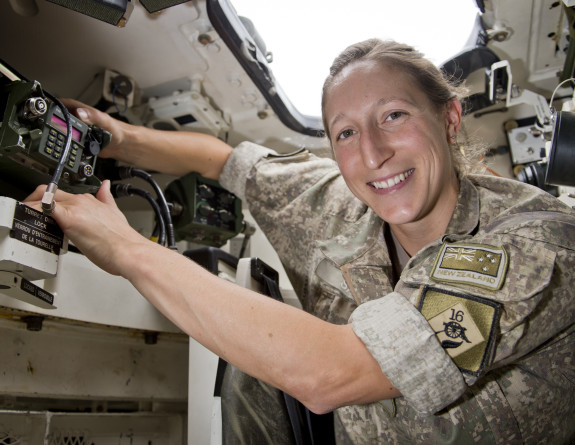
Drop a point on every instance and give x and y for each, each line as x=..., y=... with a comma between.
x=396, y=219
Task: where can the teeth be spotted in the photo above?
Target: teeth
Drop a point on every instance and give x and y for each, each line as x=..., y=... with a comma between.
x=392, y=181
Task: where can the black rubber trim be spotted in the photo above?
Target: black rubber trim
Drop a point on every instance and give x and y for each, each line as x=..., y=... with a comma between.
x=226, y=22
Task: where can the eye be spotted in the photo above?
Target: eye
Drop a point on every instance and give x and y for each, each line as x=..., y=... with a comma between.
x=345, y=134
x=394, y=115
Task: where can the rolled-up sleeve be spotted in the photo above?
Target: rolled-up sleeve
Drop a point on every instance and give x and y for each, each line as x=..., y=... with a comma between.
x=236, y=169
x=407, y=350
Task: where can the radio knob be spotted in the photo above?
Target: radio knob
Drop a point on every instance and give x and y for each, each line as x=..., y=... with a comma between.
x=205, y=209
x=86, y=170
x=226, y=216
x=34, y=107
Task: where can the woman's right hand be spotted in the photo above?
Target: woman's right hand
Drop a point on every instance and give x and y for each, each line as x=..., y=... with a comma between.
x=116, y=128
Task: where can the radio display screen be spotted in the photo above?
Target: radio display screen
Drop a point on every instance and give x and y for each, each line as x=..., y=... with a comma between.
x=60, y=125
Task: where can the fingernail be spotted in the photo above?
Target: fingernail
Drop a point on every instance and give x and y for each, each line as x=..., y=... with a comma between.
x=82, y=114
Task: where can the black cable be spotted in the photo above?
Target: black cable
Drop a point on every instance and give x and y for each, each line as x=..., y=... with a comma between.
x=48, y=197
x=163, y=205
x=114, y=94
x=123, y=190
x=131, y=172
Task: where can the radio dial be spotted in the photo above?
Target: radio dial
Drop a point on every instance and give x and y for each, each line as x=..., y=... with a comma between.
x=34, y=107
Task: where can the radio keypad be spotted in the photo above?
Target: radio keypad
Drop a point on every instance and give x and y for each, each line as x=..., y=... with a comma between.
x=55, y=147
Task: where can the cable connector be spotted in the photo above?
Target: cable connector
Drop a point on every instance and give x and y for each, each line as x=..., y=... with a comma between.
x=48, y=203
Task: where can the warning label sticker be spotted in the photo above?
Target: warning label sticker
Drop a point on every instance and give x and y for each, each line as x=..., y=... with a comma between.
x=33, y=227
x=36, y=291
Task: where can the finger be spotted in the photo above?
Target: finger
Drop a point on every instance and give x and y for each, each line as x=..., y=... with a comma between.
x=72, y=104
x=79, y=109
x=84, y=115
x=37, y=194
x=104, y=194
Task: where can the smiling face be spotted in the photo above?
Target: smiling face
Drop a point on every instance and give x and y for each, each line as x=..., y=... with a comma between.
x=392, y=144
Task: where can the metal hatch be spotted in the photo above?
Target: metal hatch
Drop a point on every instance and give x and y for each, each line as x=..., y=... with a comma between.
x=249, y=54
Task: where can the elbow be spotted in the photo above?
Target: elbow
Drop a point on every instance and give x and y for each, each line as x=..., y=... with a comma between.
x=323, y=392
x=317, y=394
x=317, y=404
x=321, y=409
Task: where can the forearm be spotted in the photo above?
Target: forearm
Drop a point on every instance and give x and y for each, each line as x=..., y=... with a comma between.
x=174, y=153
x=321, y=364
x=227, y=319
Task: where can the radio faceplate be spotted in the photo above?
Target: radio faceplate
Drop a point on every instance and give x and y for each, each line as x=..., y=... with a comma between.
x=32, y=141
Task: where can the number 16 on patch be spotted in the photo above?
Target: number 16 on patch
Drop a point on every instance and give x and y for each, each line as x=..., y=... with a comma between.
x=456, y=330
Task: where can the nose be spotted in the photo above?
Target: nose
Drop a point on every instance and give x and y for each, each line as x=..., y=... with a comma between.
x=372, y=148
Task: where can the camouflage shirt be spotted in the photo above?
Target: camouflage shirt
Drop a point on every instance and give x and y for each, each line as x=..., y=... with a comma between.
x=476, y=331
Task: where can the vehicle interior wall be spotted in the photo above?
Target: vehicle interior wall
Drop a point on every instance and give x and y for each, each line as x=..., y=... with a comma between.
x=176, y=63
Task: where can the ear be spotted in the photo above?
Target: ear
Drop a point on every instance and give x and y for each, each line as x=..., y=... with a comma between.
x=453, y=118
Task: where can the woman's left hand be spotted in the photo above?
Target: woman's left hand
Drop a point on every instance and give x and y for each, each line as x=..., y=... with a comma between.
x=95, y=225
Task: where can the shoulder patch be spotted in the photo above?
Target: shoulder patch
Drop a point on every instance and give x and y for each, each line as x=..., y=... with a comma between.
x=465, y=325
x=473, y=264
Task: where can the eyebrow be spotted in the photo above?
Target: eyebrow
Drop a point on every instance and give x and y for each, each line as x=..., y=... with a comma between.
x=380, y=102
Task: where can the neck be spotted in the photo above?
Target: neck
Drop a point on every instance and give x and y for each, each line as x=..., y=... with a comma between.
x=413, y=239
x=415, y=235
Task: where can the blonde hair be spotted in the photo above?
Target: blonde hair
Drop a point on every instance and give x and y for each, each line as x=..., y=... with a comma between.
x=431, y=80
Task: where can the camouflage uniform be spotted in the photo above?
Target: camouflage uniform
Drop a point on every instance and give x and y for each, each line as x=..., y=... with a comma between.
x=476, y=333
